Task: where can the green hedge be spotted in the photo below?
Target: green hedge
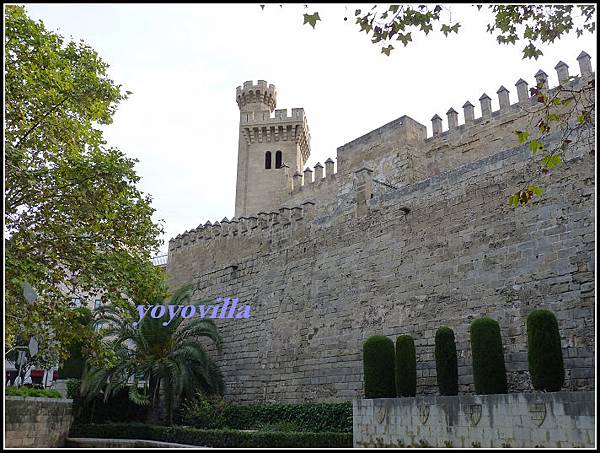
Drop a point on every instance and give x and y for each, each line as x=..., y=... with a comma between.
x=489, y=371
x=213, y=437
x=544, y=351
x=406, y=366
x=304, y=417
x=379, y=367
x=117, y=409
x=446, y=364
x=31, y=392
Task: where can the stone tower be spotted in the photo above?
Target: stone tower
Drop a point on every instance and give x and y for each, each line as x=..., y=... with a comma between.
x=270, y=151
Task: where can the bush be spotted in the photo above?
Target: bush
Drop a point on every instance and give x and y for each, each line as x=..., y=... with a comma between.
x=203, y=413
x=446, y=364
x=118, y=408
x=73, y=366
x=379, y=368
x=489, y=371
x=304, y=417
x=544, y=351
x=213, y=437
x=73, y=386
x=31, y=392
x=406, y=366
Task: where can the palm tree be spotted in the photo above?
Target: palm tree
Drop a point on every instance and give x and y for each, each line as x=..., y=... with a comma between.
x=170, y=360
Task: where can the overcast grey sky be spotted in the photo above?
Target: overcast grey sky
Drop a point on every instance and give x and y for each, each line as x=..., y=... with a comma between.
x=183, y=63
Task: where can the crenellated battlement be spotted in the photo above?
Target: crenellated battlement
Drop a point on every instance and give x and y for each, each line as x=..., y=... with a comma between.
x=524, y=99
x=276, y=117
x=399, y=153
x=252, y=96
x=264, y=224
x=304, y=181
x=262, y=126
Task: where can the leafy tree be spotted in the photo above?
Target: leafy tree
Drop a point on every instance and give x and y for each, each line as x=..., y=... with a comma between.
x=75, y=221
x=170, y=359
x=534, y=24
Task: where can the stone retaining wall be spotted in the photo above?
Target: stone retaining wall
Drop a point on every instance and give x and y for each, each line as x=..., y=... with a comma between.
x=36, y=422
x=561, y=419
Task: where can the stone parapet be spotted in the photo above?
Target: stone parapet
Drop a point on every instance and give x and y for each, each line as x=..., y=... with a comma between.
x=525, y=420
x=36, y=422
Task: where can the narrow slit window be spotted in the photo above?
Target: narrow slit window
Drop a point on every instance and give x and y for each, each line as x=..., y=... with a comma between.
x=268, y=160
x=278, y=159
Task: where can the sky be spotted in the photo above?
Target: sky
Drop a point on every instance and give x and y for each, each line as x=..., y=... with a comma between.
x=183, y=63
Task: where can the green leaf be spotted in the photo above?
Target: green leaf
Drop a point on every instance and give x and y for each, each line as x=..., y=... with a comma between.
x=537, y=191
x=514, y=200
x=551, y=161
x=535, y=146
x=522, y=136
x=553, y=117
x=405, y=38
x=387, y=50
x=311, y=19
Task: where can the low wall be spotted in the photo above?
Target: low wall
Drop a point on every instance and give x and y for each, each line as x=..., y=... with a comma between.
x=561, y=419
x=85, y=442
x=36, y=422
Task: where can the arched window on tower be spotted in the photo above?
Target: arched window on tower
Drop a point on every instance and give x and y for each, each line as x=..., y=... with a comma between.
x=268, y=160
x=278, y=162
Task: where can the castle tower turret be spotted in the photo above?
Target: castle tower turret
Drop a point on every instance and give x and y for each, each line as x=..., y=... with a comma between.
x=270, y=150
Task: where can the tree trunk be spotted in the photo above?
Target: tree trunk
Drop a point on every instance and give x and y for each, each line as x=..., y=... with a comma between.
x=153, y=415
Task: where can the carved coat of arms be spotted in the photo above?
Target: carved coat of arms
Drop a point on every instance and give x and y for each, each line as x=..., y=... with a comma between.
x=380, y=414
x=474, y=413
x=538, y=413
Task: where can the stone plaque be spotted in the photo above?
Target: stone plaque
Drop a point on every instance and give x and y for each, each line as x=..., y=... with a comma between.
x=538, y=413
x=474, y=413
x=380, y=414
x=423, y=413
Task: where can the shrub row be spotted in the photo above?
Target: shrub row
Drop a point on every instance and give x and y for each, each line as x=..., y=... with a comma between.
x=489, y=371
x=304, y=417
x=213, y=437
x=117, y=409
x=31, y=392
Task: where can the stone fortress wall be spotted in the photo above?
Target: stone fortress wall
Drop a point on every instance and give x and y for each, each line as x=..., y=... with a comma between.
x=411, y=233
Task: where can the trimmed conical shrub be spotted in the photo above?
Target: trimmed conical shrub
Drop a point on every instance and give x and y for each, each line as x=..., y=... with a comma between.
x=544, y=351
x=406, y=366
x=489, y=371
x=446, y=364
x=378, y=363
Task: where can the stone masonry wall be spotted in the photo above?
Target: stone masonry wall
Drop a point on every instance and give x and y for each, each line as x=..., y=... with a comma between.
x=561, y=419
x=318, y=287
x=36, y=422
